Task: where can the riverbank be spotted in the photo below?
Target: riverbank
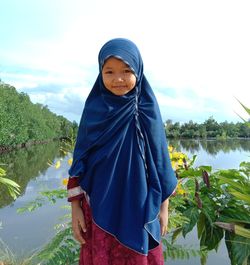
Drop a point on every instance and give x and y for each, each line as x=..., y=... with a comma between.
x=209, y=138
x=6, y=149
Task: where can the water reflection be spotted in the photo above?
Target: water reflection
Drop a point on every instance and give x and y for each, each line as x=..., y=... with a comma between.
x=26, y=164
x=30, y=166
x=212, y=147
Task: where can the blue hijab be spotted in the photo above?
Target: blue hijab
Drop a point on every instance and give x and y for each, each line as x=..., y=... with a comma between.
x=121, y=155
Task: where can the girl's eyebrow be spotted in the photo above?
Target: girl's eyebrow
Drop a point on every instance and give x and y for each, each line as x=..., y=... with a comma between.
x=107, y=67
x=110, y=67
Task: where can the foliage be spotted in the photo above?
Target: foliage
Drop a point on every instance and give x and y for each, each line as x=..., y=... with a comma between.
x=174, y=251
x=212, y=198
x=247, y=110
x=45, y=196
x=208, y=129
x=62, y=250
x=12, y=187
x=23, y=122
x=237, y=182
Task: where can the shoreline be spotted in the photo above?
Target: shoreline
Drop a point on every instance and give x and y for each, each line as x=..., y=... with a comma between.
x=6, y=149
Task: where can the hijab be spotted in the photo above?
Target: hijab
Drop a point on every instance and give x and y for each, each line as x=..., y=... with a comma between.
x=121, y=155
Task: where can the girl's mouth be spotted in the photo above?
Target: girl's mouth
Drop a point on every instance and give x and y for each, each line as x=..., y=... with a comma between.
x=119, y=87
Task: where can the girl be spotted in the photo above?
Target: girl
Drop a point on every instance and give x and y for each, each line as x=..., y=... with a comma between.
x=121, y=176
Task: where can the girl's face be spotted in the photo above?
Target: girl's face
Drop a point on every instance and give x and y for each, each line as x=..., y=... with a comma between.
x=117, y=76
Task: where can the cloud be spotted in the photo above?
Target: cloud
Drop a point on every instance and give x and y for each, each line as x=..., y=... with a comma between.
x=67, y=106
x=65, y=101
x=63, y=93
x=196, y=54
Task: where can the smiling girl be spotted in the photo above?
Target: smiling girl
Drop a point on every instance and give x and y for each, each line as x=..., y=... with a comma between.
x=121, y=177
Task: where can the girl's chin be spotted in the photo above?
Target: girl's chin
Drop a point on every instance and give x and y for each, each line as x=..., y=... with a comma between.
x=119, y=92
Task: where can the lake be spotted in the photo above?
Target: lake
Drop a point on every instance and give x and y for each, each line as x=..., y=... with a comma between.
x=27, y=232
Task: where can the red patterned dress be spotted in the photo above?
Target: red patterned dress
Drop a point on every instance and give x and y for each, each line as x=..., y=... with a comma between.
x=102, y=248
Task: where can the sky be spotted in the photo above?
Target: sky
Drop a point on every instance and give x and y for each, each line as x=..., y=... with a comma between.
x=196, y=53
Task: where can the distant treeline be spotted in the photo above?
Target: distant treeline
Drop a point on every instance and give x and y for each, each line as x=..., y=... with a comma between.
x=208, y=129
x=23, y=123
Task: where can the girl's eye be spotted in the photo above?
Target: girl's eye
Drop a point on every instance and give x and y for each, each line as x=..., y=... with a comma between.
x=126, y=71
x=108, y=72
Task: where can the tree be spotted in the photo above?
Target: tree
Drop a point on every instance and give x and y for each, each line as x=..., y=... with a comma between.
x=21, y=121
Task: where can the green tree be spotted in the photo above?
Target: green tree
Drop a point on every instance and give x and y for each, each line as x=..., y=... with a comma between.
x=23, y=122
x=212, y=127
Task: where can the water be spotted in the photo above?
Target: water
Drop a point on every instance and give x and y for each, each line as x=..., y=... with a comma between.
x=218, y=154
x=26, y=232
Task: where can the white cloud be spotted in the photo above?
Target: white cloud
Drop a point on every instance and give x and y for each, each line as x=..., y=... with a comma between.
x=194, y=47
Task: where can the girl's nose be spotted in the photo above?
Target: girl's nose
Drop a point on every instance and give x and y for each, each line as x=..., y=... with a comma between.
x=119, y=78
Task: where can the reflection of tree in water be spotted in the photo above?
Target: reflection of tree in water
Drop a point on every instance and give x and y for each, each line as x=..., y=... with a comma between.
x=175, y=143
x=25, y=164
x=192, y=145
x=246, y=146
x=212, y=147
x=185, y=145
